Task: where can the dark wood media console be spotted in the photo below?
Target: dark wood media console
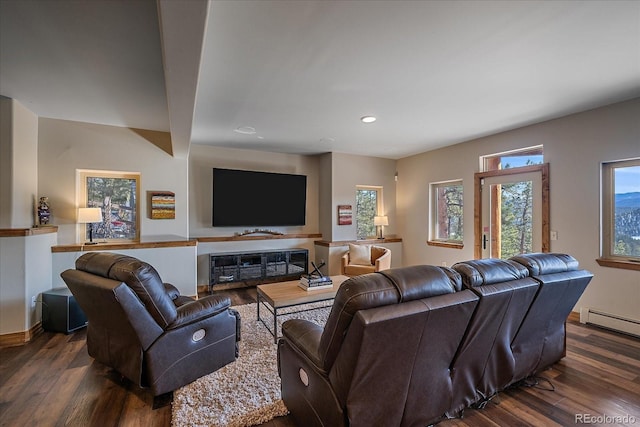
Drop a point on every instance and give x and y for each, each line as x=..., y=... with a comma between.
x=255, y=267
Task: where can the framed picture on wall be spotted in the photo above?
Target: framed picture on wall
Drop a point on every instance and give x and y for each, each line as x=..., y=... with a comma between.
x=163, y=204
x=117, y=194
x=345, y=214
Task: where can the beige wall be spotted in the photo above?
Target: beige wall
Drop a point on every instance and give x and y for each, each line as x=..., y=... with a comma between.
x=331, y=180
x=202, y=160
x=349, y=171
x=66, y=146
x=574, y=147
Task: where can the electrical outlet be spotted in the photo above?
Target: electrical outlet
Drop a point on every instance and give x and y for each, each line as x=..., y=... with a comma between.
x=554, y=235
x=444, y=263
x=33, y=301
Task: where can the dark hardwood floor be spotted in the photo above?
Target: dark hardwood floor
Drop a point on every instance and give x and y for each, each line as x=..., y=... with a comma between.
x=52, y=381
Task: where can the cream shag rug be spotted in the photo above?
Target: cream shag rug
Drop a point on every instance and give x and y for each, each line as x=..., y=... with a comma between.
x=247, y=391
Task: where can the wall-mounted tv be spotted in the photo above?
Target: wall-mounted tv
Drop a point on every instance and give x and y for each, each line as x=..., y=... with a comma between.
x=249, y=198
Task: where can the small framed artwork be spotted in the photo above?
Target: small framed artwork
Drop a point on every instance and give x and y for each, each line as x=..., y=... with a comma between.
x=345, y=214
x=163, y=204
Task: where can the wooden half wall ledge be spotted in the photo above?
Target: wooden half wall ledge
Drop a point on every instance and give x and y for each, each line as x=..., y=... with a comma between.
x=358, y=242
x=258, y=237
x=111, y=246
x=163, y=242
x=23, y=232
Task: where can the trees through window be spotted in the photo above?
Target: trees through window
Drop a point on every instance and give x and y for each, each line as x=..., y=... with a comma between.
x=368, y=205
x=447, y=212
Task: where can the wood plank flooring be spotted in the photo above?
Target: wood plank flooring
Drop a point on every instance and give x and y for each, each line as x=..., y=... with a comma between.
x=52, y=381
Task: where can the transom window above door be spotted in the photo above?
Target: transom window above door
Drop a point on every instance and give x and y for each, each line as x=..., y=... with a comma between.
x=512, y=159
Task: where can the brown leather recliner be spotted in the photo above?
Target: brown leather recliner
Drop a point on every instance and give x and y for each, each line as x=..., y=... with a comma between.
x=540, y=340
x=144, y=328
x=384, y=355
x=485, y=363
x=406, y=346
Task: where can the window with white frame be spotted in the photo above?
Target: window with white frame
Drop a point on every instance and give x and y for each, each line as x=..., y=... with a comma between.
x=368, y=205
x=446, y=223
x=621, y=210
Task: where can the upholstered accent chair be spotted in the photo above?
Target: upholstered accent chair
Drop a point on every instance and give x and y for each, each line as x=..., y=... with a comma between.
x=363, y=259
x=144, y=329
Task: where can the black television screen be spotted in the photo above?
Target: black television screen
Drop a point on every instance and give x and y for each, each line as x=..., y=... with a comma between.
x=248, y=198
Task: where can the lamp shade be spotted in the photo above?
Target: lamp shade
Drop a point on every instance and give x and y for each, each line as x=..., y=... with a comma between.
x=89, y=215
x=381, y=220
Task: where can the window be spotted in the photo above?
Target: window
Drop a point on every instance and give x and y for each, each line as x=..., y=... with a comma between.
x=621, y=214
x=512, y=159
x=447, y=227
x=117, y=195
x=368, y=205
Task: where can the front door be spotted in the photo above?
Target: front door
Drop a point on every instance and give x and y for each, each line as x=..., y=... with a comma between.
x=512, y=212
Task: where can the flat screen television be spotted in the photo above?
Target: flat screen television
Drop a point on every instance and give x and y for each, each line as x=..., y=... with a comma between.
x=256, y=199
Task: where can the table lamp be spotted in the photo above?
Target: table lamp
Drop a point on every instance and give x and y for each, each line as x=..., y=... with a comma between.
x=89, y=216
x=380, y=221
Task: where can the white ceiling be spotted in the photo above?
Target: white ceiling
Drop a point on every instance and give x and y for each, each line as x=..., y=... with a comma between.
x=302, y=73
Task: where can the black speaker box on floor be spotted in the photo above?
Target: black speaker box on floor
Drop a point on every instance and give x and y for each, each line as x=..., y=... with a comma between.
x=60, y=311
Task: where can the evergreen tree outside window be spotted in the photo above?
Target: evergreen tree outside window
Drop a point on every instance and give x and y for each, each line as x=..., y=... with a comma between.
x=621, y=210
x=447, y=212
x=516, y=219
x=368, y=205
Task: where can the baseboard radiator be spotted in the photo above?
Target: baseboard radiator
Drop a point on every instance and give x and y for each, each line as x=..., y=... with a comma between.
x=610, y=321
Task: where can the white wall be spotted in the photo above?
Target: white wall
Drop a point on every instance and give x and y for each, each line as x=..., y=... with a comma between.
x=66, y=146
x=25, y=266
x=175, y=265
x=574, y=147
x=19, y=164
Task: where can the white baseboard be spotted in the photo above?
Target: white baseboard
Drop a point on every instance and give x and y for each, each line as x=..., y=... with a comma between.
x=610, y=321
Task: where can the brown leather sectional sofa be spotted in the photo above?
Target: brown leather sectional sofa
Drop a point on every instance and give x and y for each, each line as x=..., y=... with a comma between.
x=144, y=328
x=413, y=346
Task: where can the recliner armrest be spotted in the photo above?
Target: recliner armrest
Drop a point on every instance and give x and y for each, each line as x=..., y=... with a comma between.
x=304, y=336
x=200, y=309
x=172, y=291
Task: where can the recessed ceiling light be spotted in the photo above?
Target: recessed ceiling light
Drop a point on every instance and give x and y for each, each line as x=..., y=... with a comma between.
x=245, y=130
x=368, y=119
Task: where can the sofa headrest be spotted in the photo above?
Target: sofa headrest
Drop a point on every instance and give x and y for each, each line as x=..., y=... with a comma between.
x=380, y=289
x=423, y=281
x=489, y=271
x=358, y=293
x=546, y=263
x=141, y=277
x=99, y=263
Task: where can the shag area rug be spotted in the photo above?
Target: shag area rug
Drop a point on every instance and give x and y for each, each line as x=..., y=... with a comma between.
x=247, y=391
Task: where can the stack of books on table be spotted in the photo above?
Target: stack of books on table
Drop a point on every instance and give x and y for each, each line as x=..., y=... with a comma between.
x=312, y=282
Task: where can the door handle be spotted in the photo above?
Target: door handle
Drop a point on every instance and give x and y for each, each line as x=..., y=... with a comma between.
x=484, y=241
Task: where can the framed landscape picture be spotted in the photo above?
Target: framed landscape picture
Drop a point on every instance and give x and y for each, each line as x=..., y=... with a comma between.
x=117, y=194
